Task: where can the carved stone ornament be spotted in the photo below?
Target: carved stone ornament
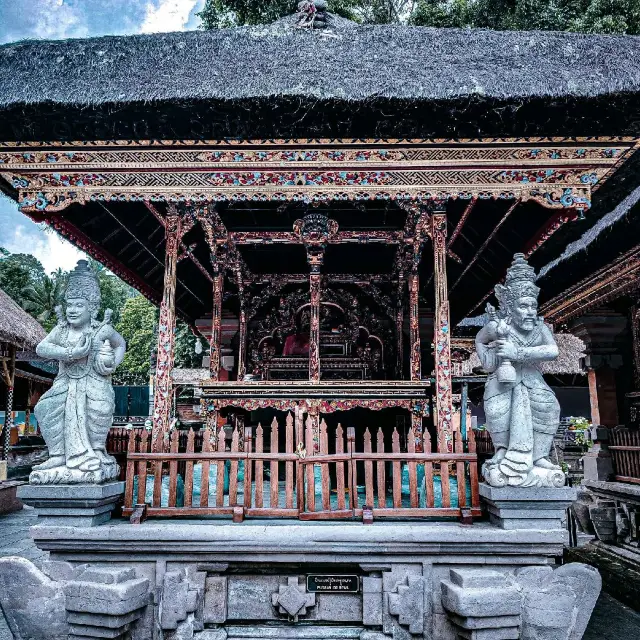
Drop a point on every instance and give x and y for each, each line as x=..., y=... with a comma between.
x=522, y=411
x=536, y=602
x=75, y=415
x=291, y=599
x=64, y=601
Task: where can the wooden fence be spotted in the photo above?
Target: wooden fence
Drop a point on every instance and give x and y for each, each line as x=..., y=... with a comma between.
x=625, y=451
x=310, y=480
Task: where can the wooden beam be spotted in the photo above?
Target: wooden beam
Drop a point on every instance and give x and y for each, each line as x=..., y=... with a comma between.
x=463, y=219
x=484, y=245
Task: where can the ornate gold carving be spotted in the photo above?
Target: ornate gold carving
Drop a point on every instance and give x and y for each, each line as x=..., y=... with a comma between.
x=556, y=173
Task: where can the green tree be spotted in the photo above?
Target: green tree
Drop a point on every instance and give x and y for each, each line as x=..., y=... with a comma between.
x=17, y=272
x=113, y=291
x=42, y=295
x=587, y=16
x=137, y=325
x=230, y=13
x=185, y=349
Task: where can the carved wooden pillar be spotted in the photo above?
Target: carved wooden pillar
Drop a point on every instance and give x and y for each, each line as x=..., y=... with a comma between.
x=242, y=348
x=162, y=396
x=634, y=320
x=442, y=333
x=10, y=377
x=216, y=325
x=414, y=327
x=314, y=328
x=399, y=329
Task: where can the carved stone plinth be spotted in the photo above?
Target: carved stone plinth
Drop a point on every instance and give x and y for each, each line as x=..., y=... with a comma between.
x=527, y=508
x=74, y=505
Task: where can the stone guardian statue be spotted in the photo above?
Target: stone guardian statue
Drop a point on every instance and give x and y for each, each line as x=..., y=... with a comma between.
x=522, y=412
x=75, y=415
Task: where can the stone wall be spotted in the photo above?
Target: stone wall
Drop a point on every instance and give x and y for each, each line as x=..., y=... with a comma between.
x=202, y=581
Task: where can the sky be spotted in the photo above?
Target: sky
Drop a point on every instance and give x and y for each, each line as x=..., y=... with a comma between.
x=58, y=19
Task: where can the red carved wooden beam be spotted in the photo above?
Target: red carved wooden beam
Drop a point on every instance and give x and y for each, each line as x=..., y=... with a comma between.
x=463, y=219
x=186, y=251
x=84, y=243
x=291, y=237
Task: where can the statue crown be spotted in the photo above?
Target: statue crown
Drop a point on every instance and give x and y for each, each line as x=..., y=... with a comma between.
x=519, y=282
x=83, y=283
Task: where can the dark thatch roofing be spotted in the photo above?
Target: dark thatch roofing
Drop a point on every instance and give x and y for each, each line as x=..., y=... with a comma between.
x=279, y=65
x=350, y=62
x=17, y=327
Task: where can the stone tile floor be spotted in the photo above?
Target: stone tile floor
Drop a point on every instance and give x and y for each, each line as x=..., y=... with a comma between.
x=611, y=620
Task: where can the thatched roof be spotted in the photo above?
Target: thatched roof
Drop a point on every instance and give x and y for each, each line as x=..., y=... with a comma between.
x=569, y=361
x=349, y=62
x=17, y=327
x=280, y=65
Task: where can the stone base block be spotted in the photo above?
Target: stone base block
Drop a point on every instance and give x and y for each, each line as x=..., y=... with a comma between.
x=8, y=500
x=527, y=508
x=77, y=505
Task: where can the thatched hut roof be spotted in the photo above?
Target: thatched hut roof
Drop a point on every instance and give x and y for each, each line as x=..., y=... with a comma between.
x=254, y=81
x=17, y=327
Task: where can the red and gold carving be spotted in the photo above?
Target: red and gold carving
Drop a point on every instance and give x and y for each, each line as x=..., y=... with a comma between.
x=442, y=334
x=162, y=394
x=314, y=328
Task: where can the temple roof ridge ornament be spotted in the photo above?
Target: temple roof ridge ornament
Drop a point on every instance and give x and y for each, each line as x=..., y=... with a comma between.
x=311, y=14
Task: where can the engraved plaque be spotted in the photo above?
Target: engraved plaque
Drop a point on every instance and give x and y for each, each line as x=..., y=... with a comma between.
x=333, y=584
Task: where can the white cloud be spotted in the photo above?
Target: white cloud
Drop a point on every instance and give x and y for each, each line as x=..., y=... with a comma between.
x=167, y=15
x=19, y=234
x=52, y=250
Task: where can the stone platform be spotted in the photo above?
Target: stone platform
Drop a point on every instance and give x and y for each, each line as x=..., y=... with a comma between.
x=223, y=580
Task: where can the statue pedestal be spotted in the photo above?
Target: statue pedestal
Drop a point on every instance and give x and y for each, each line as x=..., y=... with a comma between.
x=78, y=505
x=527, y=508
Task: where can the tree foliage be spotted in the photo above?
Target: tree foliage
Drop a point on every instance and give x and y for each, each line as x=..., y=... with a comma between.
x=137, y=325
x=587, y=16
x=229, y=13
x=42, y=295
x=17, y=272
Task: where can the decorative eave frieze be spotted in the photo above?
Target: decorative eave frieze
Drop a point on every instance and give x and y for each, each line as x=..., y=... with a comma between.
x=616, y=279
x=558, y=174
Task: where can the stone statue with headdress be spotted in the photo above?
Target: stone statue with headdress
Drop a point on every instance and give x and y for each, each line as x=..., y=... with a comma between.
x=75, y=415
x=522, y=411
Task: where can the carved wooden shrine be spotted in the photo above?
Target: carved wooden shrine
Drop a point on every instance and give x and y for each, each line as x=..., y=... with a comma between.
x=317, y=250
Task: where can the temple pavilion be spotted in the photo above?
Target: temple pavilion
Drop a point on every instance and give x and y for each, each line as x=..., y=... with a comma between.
x=323, y=206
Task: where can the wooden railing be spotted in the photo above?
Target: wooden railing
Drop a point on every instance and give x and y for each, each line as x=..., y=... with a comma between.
x=625, y=452
x=309, y=481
